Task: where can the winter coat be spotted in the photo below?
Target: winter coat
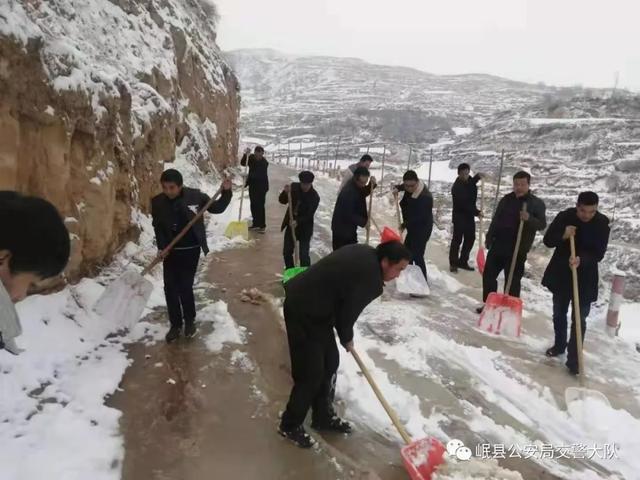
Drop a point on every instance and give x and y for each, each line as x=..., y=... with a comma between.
x=464, y=196
x=334, y=291
x=10, y=326
x=417, y=210
x=350, y=211
x=305, y=205
x=169, y=215
x=258, y=178
x=591, y=241
x=503, y=230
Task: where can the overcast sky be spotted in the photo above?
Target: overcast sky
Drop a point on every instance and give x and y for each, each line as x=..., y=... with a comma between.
x=560, y=42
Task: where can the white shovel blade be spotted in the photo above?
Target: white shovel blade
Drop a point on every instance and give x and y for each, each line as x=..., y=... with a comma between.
x=572, y=395
x=124, y=300
x=412, y=282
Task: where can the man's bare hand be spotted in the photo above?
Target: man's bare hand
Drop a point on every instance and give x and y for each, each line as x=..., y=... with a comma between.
x=226, y=184
x=574, y=262
x=524, y=215
x=569, y=231
x=287, y=188
x=349, y=346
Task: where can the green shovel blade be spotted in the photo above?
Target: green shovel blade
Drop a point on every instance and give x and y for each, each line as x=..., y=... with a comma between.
x=289, y=273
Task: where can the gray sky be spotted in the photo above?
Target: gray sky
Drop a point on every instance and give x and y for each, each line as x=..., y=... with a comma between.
x=560, y=42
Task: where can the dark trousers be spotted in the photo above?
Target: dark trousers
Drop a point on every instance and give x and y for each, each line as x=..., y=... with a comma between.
x=314, y=364
x=339, y=240
x=464, y=232
x=416, y=242
x=179, y=269
x=304, y=242
x=496, y=263
x=258, y=197
x=560, y=308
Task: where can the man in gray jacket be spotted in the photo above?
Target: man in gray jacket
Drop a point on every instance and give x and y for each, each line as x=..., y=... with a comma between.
x=34, y=245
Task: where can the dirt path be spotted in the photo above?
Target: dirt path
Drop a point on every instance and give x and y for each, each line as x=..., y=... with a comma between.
x=218, y=420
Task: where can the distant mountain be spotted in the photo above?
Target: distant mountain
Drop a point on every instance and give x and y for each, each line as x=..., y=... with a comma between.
x=570, y=139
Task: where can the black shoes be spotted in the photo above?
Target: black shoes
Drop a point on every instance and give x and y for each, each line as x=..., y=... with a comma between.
x=480, y=309
x=466, y=266
x=297, y=435
x=573, y=369
x=190, y=330
x=173, y=334
x=334, y=424
x=453, y=268
x=553, y=352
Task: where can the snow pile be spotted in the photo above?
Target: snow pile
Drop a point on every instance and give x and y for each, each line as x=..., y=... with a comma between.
x=225, y=329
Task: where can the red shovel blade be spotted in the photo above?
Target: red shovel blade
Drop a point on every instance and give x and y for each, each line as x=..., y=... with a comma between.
x=502, y=314
x=422, y=457
x=481, y=260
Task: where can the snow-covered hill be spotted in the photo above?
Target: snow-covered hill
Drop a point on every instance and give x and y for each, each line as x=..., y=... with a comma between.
x=570, y=139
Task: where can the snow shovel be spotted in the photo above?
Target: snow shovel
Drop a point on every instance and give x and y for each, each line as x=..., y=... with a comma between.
x=239, y=228
x=421, y=457
x=480, y=256
x=412, y=282
x=502, y=313
x=577, y=394
x=289, y=273
x=124, y=300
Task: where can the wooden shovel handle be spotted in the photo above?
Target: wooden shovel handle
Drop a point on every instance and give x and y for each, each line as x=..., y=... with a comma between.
x=296, y=247
x=392, y=414
x=481, y=211
x=576, y=307
x=369, y=216
x=182, y=233
x=516, y=250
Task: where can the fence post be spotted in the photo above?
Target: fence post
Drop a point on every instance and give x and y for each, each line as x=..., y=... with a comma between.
x=617, y=292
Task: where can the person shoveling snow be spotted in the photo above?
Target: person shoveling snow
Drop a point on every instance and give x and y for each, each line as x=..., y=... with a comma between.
x=330, y=295
x=590, y=230
x=34, y=245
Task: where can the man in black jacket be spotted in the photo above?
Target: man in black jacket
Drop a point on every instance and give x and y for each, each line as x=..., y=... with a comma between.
x=350, y=211
x=172, y=210
x=258, y=183
x=590, y=230
x=305, y=201
x=347, y=174
x=417, y=216
x=464, y=193
x=503, y=231
x=330, y=294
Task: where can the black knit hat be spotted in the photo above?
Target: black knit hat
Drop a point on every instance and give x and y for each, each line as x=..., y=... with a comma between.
x=306, y=176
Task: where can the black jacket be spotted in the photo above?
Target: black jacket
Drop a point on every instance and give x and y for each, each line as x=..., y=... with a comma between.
x=258, y=178
x=350, y=211
x=191, y=201
x=465, y=195
x=503, y=230
x=334, y=291
x=305, y=205
x=591, y=240
x=417, y=213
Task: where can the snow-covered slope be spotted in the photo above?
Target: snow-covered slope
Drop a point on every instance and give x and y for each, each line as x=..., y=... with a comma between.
x=96, y=96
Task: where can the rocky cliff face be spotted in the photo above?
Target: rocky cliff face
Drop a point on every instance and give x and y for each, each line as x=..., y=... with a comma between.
x=96, y=97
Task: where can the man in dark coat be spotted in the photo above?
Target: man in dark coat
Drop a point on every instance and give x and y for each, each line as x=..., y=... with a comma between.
x=350, y=211
x=172, y=210
x=258, y=183
x=501, y=237
x=329, y=295
x=305, y=201
x=464, y=193
x=590, y=230
x=417, y=216
x=365, y=161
